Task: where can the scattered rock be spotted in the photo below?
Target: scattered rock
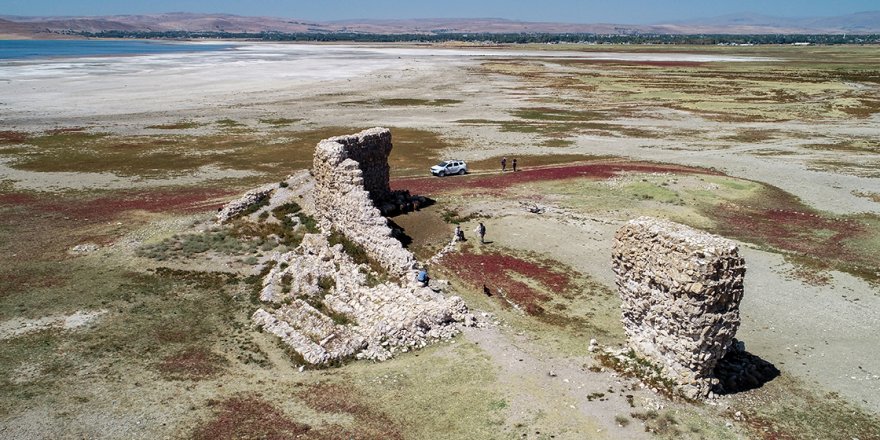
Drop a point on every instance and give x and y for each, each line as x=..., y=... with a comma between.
x=84, y=248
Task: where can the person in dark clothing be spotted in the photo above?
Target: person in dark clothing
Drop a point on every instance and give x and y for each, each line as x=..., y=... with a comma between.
x=514, y=164
x=503, y=164
x=458, y=234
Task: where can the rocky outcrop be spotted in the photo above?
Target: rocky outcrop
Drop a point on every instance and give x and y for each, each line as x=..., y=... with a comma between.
x=680, y=290
x=351, y=179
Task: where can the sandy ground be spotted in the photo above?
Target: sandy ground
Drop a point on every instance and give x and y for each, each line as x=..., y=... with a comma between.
x=20, y=326
x=823, y=335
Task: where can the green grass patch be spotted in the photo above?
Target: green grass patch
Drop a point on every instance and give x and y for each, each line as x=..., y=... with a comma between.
x=442, y=389
x=409, y=102
x=794, y=410
x=279, y=122
x=181, y=125
x=229, y=123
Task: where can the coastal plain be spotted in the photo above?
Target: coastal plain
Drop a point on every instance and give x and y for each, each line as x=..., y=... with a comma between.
x=116, y=322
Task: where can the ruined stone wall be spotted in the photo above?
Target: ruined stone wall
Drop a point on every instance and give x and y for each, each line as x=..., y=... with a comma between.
x=242, y=204
x=351, y=175
x=680, y=290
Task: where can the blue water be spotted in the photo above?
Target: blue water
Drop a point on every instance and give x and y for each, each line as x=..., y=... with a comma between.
x=25, y=49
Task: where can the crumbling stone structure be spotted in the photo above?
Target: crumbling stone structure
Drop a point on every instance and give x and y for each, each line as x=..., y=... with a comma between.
x=322, y=303
x=351, y=179
x=357, y=317
x=680, y=290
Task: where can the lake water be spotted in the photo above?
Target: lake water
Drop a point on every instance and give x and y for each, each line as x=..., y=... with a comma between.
x=30, y=49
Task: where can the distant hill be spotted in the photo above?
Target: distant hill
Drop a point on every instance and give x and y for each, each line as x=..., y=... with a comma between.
x=746, y=23
x=861, y=22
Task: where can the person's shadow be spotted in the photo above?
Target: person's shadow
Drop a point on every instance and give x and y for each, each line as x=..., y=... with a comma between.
x=740, y=371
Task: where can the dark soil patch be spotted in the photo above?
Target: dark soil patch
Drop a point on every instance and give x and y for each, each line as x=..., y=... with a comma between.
x=183, y=200
x=332, y=398
x=434, y=185
x=494, y=271
x=12, y=137
x=249, y=418
x=193, y=363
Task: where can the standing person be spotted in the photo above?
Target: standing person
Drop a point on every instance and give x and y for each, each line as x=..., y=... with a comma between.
x=514, y=164
x=503, y=164
x=481, y=230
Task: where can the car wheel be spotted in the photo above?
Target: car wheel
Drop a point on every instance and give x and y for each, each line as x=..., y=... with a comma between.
x=441, y=173
x=461, y=172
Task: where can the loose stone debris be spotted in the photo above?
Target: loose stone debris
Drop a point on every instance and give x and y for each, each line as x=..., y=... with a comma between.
x=680, y=290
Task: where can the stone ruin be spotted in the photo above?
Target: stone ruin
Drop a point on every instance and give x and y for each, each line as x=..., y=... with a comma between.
x=237, y=207
x=323, y=304
x=351, y=181
x=680, y=290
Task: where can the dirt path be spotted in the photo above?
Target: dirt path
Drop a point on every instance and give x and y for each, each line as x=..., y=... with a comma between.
x=551, y=393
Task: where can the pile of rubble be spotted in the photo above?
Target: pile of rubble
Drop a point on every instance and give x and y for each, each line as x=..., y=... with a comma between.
x=329, y=309
x=680, y=290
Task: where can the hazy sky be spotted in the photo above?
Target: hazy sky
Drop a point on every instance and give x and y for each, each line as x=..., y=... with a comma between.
x=578, y=11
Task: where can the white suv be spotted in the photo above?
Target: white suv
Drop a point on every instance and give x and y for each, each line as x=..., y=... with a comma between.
x=448, y=167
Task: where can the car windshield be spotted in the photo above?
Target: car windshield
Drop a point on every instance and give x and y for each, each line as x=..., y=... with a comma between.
x=443, y=164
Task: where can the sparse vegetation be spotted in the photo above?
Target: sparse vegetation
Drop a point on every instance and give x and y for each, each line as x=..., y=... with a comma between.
x=181, y=125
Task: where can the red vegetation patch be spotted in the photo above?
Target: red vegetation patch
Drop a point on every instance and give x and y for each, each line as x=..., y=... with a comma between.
x=250, y=418
x=331, y=398
x=186, y=200
x=814, y=239
x=802, y=231
x=192, y=363
x=12, y=136
x=495, y=270
x=433, y=185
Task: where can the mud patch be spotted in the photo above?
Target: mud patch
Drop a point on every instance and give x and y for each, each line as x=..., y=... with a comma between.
x=194, y=363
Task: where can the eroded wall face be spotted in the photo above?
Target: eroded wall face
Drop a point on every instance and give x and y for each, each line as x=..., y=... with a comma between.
x=680, y=290
x=351, y=173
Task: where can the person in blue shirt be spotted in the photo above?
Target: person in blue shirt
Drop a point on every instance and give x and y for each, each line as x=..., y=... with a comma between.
x=423, y=277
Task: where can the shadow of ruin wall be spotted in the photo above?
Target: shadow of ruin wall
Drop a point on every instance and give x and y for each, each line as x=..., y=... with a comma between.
x=351, y=175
